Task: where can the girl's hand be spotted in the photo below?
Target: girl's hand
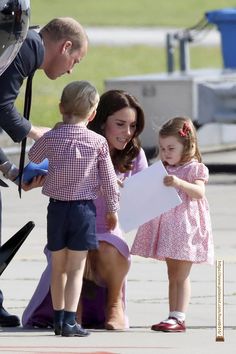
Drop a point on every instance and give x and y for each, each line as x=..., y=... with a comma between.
x=111, y=220
x=36, y=182
x=195, y=190
x=171, y=181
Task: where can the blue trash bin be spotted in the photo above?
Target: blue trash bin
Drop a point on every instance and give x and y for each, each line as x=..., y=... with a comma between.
x=225, y=19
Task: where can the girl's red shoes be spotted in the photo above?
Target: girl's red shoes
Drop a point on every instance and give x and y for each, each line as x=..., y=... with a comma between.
x=178, y=326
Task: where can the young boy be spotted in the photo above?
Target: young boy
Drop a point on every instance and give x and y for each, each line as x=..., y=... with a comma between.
x=79, y=166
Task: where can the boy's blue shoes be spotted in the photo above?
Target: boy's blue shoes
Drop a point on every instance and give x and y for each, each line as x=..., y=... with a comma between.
x=57, y=328
x=74, y=330
x=68, y=330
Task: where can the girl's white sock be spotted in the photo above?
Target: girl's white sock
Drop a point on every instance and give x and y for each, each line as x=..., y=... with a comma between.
x=170, y=320
x=176, y=314
x=179, y=315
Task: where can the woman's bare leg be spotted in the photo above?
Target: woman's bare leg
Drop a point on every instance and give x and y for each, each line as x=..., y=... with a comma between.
x=111, y=267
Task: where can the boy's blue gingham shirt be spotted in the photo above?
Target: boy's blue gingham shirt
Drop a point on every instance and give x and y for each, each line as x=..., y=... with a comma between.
x=79, y=165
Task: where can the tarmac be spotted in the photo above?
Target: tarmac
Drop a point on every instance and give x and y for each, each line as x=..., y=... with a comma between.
x=147, y=295
x=147, y=288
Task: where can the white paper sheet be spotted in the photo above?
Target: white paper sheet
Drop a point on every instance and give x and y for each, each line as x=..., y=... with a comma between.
x=144, y=197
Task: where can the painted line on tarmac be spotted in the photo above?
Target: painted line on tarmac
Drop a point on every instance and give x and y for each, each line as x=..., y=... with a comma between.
x=57, y=352
x=38, y=349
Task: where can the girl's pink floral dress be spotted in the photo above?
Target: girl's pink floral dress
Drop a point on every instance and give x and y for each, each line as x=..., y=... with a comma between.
x=184, y=232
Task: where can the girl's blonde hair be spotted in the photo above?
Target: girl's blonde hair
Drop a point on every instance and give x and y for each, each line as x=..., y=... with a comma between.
x=183, y=129
x=79, y=98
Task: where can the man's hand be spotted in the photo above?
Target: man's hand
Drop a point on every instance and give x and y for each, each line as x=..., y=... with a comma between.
x=36, y=182
x=36, y=132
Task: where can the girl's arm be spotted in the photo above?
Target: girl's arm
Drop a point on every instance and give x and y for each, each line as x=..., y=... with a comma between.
x=194, y=190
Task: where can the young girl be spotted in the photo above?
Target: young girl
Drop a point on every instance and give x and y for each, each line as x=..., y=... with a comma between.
x=79, y=166
x=183, y=235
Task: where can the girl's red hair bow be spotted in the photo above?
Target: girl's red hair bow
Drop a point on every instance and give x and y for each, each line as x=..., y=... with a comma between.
x=185, y=130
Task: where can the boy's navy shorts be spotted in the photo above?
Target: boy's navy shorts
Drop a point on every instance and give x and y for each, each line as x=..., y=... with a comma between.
x=72, y=225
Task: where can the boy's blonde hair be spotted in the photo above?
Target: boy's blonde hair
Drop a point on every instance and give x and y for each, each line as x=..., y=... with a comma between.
x=183, y=129
x=79, y=98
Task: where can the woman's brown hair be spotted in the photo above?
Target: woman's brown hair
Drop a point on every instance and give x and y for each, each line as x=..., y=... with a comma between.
x=111, y=102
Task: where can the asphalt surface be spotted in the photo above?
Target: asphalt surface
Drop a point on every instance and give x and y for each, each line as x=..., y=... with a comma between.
x=147, y=284
x=147, y=295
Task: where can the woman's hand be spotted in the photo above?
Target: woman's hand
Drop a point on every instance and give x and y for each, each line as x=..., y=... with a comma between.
x=36, y=182
x=120, y=183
